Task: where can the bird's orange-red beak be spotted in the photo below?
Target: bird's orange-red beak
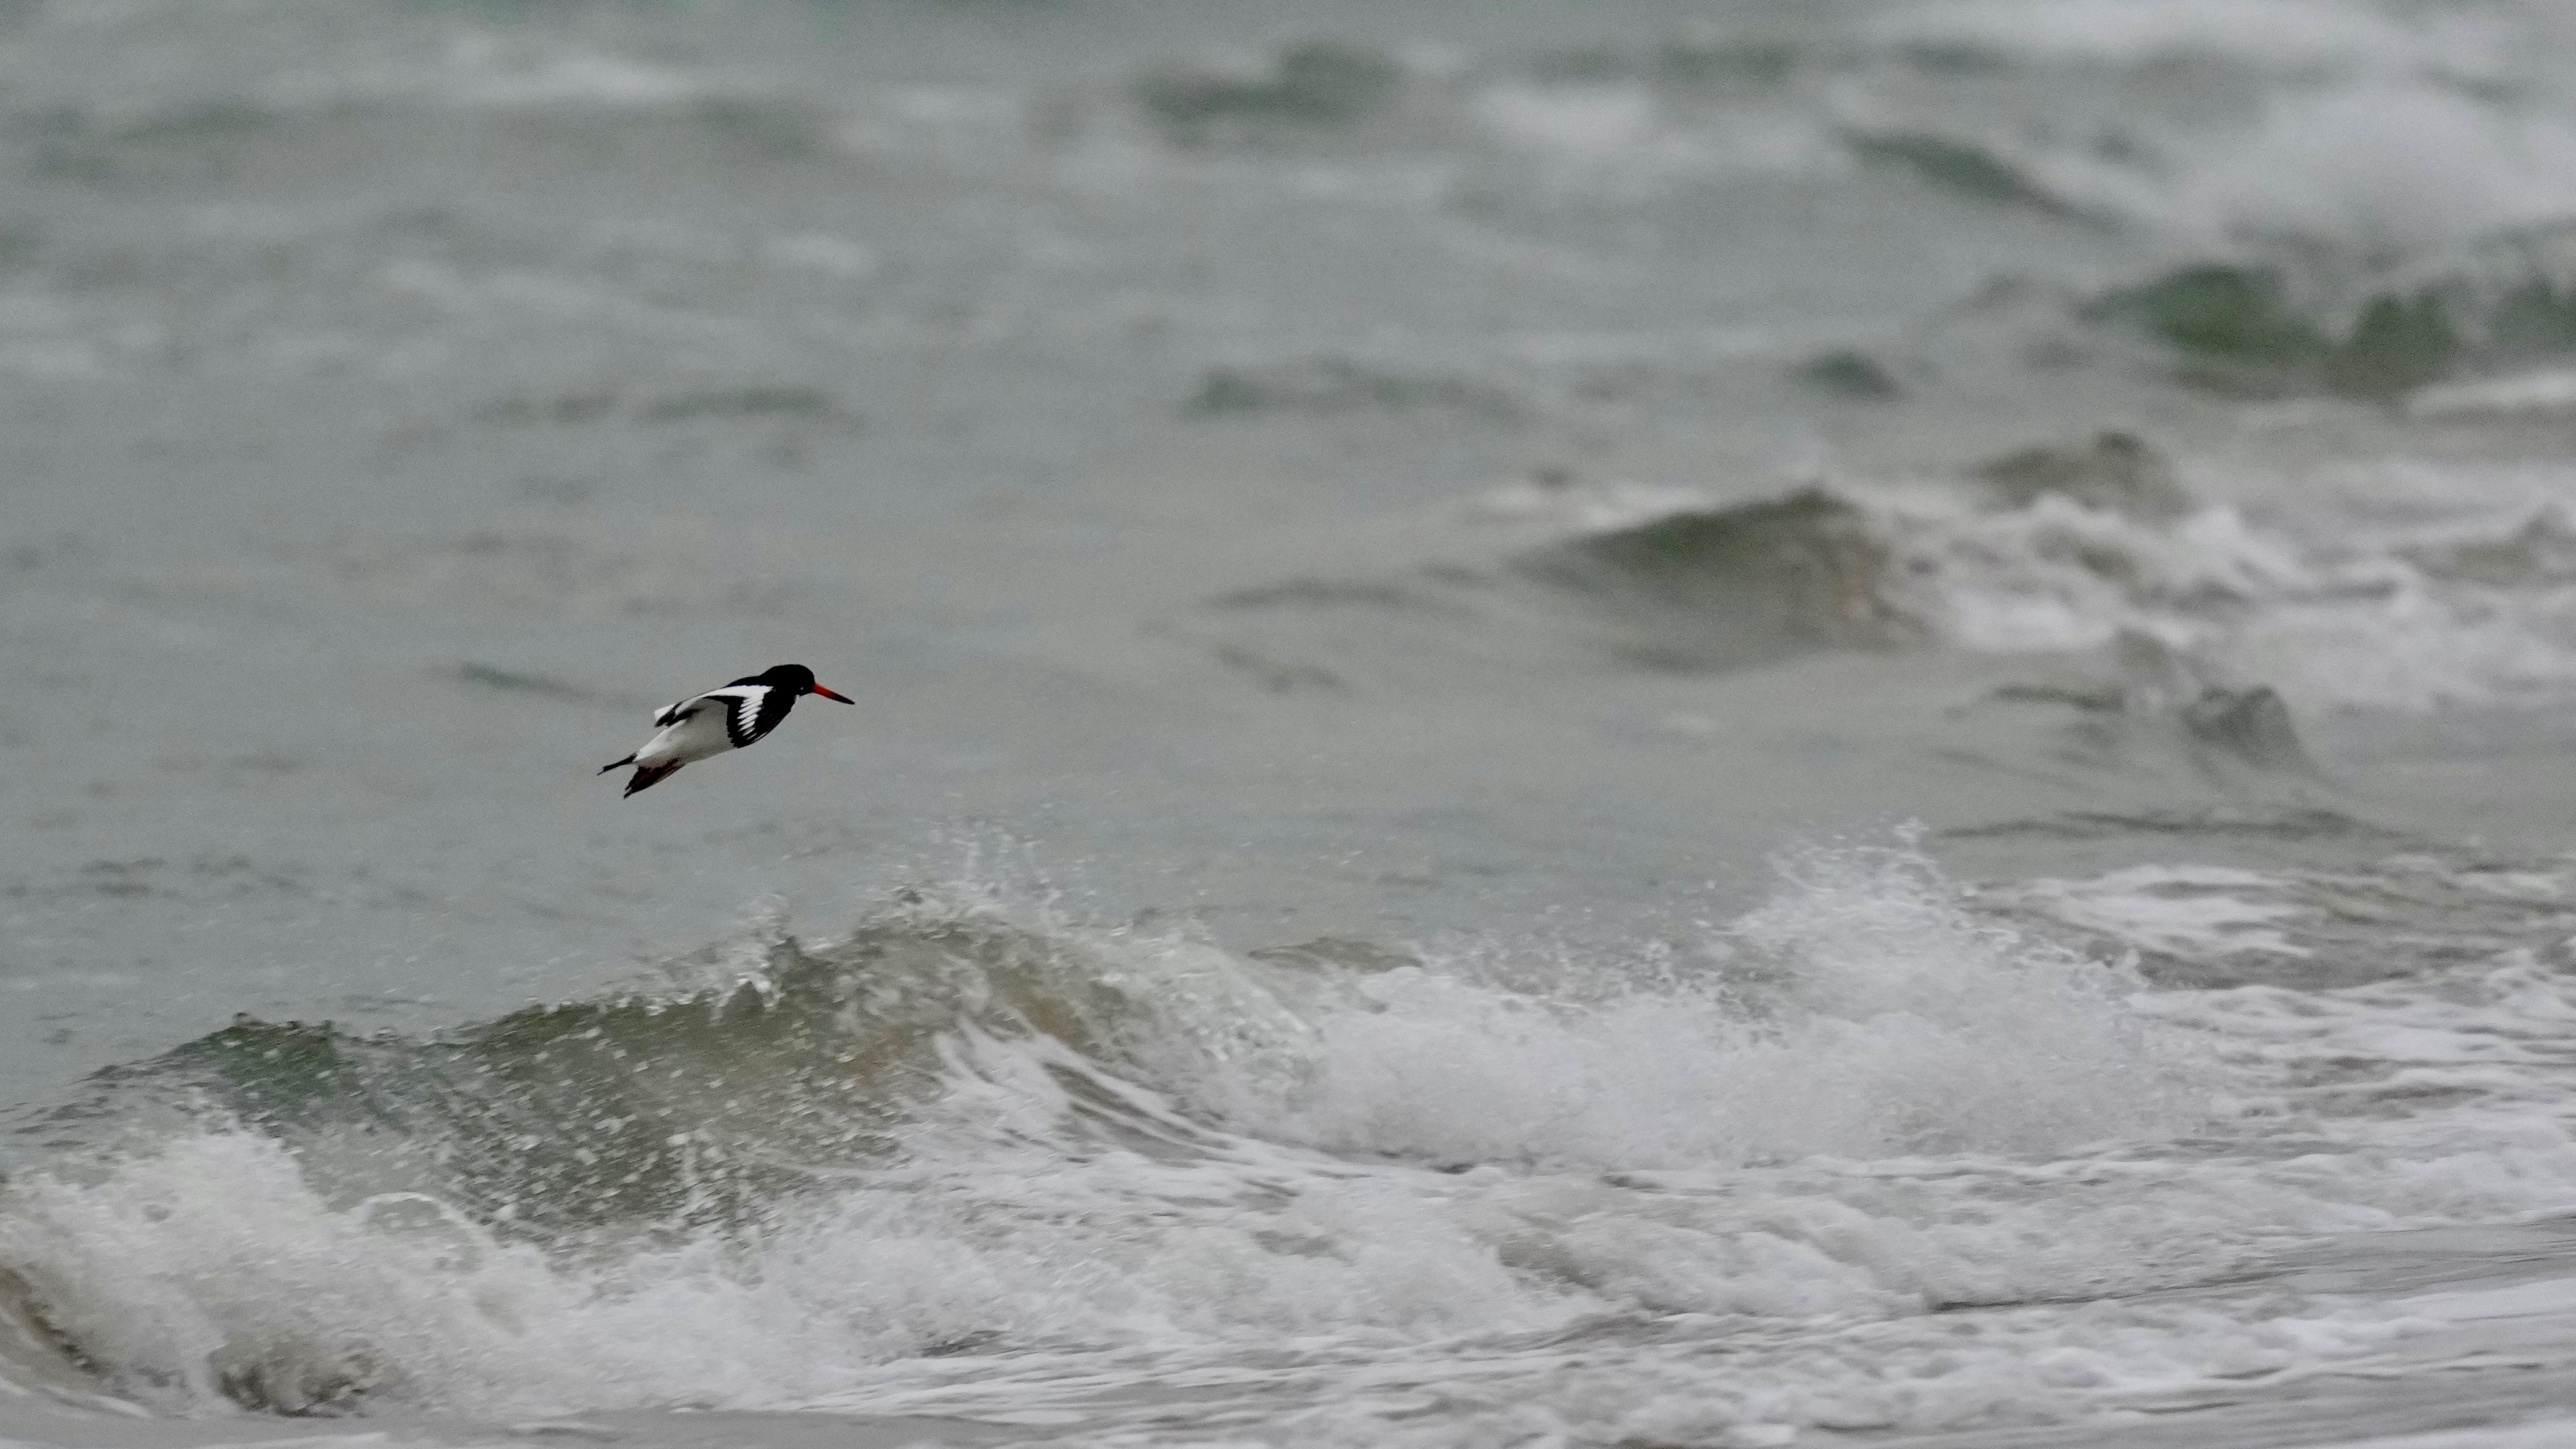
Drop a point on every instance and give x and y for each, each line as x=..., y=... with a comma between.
x=827, y=694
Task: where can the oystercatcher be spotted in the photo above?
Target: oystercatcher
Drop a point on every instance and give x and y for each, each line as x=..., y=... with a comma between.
x=719, y=720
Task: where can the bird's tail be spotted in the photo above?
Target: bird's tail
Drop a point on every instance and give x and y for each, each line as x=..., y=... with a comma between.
x=613, y=764
x=648, y=776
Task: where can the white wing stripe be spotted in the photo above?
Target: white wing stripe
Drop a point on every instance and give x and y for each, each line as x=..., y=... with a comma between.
x=742, y=713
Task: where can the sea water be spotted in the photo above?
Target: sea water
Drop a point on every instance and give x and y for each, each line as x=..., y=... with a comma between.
x=1728, y=723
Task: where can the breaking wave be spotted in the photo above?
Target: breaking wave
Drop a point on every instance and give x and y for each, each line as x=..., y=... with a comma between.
x=1729, y=587
x=2283, y=34
x=979, y=1160
x=963, y=1129
x=2093, y=551
x=2071, y=548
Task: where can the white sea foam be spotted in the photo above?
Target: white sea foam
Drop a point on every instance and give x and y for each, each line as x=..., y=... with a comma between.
x=1620, y=137
x=2061, y=575
x=2533, y=1434
x=2472, y=605
x=2200, y=913
x=2376, y=149
x=2383, y=620
x=483, y=69
x=1862, y=1012
x=1810, y=1126
x=1587, y=507
x=1593, y=121
x=2292, y=33
x=2379, y=168
x=2550, y=390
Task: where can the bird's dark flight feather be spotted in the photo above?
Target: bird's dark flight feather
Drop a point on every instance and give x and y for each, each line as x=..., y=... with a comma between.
x=754, y=712
x=648, y=776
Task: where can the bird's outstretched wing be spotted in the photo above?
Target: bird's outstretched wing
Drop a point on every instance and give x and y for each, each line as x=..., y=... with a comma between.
x=752, y=710
x=747, y=710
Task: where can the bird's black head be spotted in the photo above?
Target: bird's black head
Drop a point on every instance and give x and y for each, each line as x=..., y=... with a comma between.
x=795, y=679
x=788, y=676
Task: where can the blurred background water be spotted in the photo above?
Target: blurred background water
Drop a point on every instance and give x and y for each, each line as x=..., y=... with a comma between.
x=1701, y=722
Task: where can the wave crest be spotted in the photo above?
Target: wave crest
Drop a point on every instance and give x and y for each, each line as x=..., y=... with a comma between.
x=955, y=1129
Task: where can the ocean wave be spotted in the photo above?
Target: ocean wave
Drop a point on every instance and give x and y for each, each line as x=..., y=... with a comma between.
x=1725, y=588
x=1978, y=170
x=2333, y=202
x=2310, y=930
x=1307, y=85
x=397, y=95
x=678, y=1103
x=2367, y=238
x=2461, y=334
x=2381, y=169
x=1090, y=1164
x=2195, y=632
x=2057, y=547
x=1697, y=60
x=952, y=1128
x=2067, y=548
x=1341, y=384
x=2291, y=34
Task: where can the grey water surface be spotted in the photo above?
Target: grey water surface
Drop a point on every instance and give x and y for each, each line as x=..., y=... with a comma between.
x=1721, y=723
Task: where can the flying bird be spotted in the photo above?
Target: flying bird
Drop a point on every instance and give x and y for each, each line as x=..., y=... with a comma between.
x=730, y=718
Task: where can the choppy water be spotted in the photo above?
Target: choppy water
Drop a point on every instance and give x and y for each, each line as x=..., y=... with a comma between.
x=1714, y=724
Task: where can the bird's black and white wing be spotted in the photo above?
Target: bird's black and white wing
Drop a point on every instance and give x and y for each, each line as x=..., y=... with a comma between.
x=751, y=710
x=774, y=705
x=720, y=719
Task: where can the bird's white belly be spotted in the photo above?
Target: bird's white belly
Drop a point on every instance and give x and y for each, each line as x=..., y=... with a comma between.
x=700, y=735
